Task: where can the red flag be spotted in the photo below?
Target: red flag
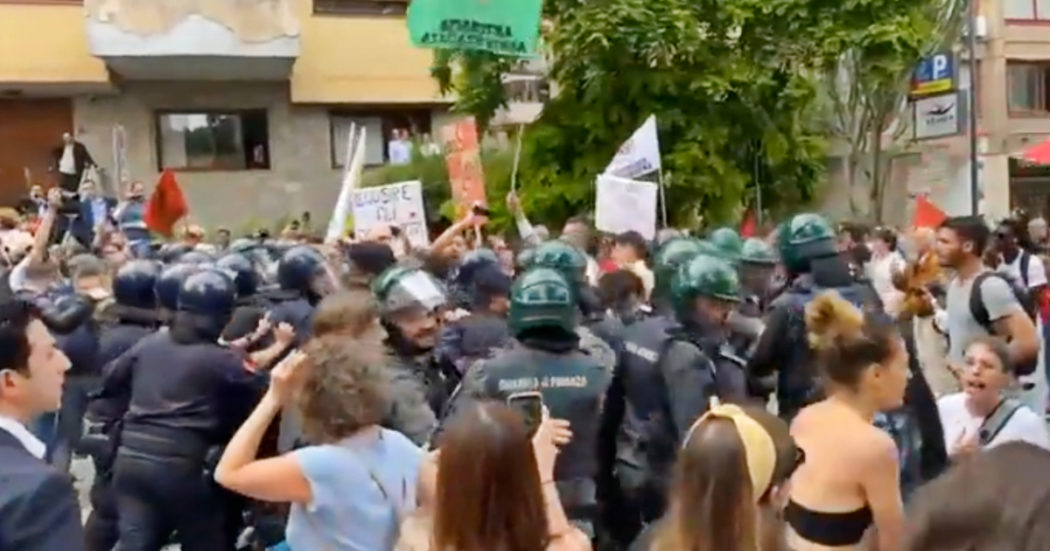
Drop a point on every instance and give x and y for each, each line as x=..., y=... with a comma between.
x=749, y=227
x=927, y=215
x=166, y=206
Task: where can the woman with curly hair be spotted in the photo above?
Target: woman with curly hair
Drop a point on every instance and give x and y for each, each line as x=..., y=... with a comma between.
x=352, y=486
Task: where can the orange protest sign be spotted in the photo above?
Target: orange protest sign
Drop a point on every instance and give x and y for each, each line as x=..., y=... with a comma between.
x=463, y=158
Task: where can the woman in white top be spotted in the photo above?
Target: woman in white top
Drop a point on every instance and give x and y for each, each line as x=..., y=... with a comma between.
x=985, y=378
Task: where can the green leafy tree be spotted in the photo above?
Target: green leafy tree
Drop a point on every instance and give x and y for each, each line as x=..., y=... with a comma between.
x=866, y=73
x=733, y=110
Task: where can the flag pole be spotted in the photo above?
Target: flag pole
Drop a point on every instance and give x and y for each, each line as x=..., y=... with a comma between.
x=663, y=196
x=517, y=159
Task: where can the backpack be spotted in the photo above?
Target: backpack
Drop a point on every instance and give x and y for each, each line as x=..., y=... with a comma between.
x=983, y=318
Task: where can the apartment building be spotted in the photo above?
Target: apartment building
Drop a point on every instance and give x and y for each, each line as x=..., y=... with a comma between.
x=249, y=101
x=1013, y=113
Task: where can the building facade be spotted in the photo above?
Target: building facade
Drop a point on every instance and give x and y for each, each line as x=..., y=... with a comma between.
x=1013, y=113
x=249, y=102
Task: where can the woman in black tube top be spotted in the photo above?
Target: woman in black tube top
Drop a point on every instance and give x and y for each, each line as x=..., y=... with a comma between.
x=849, y=483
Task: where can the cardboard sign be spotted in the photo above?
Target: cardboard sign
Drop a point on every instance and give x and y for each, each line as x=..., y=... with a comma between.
x=399, y=204
x=463, y=157
x=625, y=205
x=504, y=27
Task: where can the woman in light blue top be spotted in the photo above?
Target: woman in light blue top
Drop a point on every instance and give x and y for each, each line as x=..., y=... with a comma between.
x=350, y=491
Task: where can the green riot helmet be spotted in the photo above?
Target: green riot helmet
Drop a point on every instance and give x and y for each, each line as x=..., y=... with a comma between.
x=563, y=257
x=803, y=238
x=401, y=288
x=541, y=298
x=728, y=242
x=757, y=251
x=669, y=257
x=707, y=276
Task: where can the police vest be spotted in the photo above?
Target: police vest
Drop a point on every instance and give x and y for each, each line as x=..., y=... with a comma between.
x=645, y=438
x=573, y=388
x=798, y=383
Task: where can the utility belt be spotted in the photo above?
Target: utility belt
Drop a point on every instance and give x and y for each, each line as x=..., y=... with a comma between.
x=182, y=446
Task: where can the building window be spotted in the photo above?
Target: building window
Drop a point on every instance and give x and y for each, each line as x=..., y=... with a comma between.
x=380, y=128
x=1028, y=86
x=1027, y=10
x=213, y=140
x=361, y=7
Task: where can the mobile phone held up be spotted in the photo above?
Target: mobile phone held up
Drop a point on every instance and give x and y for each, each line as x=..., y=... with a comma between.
x=530, y=406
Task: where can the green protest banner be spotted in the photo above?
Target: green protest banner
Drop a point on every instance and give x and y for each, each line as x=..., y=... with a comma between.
x=507, y=27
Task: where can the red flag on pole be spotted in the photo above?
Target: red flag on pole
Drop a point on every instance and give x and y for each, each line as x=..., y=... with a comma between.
x=166, y=206
x=927, y=215
x=749, y=227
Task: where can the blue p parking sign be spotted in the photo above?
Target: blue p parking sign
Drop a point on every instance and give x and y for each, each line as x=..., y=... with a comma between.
x=934, y=75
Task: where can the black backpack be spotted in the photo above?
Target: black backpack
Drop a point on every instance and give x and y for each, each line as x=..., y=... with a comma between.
x=1024, y=298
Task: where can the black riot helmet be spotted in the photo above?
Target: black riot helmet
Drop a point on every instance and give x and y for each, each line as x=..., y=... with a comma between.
x=170, y=282
x=299, y=270
x=135, y=284
x=242, y=270
x=206, y=302
x=195, y=257
x=170, y=253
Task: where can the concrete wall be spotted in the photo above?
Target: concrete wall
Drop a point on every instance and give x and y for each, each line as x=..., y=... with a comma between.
x=301, y=176
x=45, y=44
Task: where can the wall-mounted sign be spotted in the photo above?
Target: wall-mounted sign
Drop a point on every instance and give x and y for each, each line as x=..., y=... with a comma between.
x=937, y=116
x=934, y=75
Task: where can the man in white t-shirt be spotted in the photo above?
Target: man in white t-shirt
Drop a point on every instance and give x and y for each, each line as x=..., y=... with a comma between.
x=980, y=417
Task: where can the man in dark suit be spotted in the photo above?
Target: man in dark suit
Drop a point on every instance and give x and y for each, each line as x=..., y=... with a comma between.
x=38, y=505
x=69, y=160
x=95, y=210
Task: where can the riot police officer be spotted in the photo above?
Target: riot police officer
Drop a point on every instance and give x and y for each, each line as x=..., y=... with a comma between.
x=250, y=306
x=599, y=334
x=187, y=397
x=411, y=304
x=756, y=266
x=167, y=289
x=133, y=316
x=807, y=249
x=304, y=280
x=669, y=373
x=728, y=243
x=669, y=257
x=547, y=363
x=198, y=258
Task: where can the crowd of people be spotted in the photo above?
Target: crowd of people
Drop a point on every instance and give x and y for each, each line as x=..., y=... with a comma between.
x=810, y=389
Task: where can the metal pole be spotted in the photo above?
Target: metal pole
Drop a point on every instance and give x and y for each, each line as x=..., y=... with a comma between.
x=758, y=195
x=663, y=196
x=972, y=46
x=517, y=159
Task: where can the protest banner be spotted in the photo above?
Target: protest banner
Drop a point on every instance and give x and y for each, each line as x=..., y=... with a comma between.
x=505, y=28
x=463, y=158
x=625, y=205
x=399, y=204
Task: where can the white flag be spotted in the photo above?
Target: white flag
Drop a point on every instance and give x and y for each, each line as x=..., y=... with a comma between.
x=352, y=168
x=639, y=155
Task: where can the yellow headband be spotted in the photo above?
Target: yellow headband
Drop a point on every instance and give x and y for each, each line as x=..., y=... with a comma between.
x=759, y=449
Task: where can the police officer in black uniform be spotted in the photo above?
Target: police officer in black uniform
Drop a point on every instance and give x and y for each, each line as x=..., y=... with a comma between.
x=167, y=289
x=547, y=361
x=468, y=339
x=669, y=373
x=304, y=280
x=807, y=249
x=599, y=335
x=188, y=396
x=133, y=316
x=411, y=304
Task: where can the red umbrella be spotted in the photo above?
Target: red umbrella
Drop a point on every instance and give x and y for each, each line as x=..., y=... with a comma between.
x=1038, y=154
